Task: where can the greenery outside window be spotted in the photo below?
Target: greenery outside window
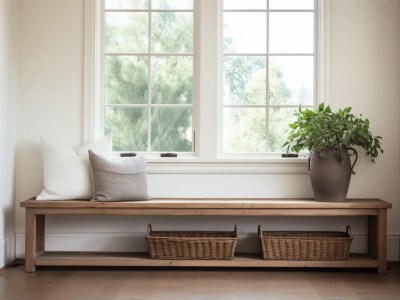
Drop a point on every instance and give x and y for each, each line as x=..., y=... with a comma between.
x=269, y=69
x=148, y=62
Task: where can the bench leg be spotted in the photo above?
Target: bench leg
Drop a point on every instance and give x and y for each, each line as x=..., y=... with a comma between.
x=30, y=240
x=34, y=238
x=377, y=239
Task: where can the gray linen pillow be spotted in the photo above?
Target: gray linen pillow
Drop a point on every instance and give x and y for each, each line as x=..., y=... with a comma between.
x=118, y=179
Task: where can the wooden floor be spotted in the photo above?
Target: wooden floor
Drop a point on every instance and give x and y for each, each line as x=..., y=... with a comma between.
x=175, y=284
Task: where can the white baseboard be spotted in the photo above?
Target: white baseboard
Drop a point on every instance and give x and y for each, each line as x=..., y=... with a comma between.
x=7, y=249
x=135, y=242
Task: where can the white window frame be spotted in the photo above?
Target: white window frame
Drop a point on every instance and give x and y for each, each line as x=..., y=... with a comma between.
x=208, y=156
x=98, y=77
x=267, y=54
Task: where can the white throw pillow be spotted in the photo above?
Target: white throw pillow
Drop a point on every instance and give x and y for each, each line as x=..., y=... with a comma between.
x=67, y=170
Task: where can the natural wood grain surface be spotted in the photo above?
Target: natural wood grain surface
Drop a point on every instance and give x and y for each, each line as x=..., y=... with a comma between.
x=142, y=259
x=37, y=210
x=30, y=240
x=128, y=283
x=225, y=203
x=382, y=241
x=207, y=211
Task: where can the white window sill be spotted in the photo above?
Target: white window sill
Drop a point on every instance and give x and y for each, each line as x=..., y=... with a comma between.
x=194, y=165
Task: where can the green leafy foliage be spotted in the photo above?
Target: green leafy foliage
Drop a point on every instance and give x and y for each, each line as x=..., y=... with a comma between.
x=245, y=129
x=127, y=85
x=323, y=129
x=168, y=34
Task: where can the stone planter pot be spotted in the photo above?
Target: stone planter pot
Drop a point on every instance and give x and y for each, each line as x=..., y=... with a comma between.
x=330, y=176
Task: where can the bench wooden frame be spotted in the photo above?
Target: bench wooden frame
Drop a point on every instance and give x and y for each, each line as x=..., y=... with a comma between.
x=36, y=211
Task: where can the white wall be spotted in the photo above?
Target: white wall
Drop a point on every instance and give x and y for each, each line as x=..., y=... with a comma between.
x=365, y=74
x=50, y=76
x=7, y=128
x=365, y=59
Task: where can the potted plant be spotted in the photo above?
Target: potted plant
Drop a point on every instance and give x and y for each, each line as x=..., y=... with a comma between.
x=329, y=136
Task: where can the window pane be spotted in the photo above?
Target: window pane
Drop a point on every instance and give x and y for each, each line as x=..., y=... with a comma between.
x=126, y=32
x=126, y=4
x=279, y=120
x=291, y=32
x=245, y=32
x=171, y=129
x=245, y=80
x=248, y=4
x=244, y=130
x=172, y=32
x=125, y=80
x=128, y=127
x=172, y=4
x=291, y=4
x=172, y=80
x=291, y=80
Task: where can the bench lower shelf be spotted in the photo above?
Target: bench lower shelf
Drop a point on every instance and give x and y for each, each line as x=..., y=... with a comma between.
x=142, y=260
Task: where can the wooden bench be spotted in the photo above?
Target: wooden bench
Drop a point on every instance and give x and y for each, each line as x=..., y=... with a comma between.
x=36, y=211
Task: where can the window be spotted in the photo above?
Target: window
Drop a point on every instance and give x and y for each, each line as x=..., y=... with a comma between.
x=210, y=78
x=268, y=70
x=148, y=57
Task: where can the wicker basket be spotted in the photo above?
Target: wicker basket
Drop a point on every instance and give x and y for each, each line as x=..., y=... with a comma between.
x=191, y=244
x=305, y=245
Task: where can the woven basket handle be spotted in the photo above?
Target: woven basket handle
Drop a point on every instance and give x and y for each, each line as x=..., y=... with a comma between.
x=348, y=230
x=149, y=229
x=236, y=231
x=259, y=231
